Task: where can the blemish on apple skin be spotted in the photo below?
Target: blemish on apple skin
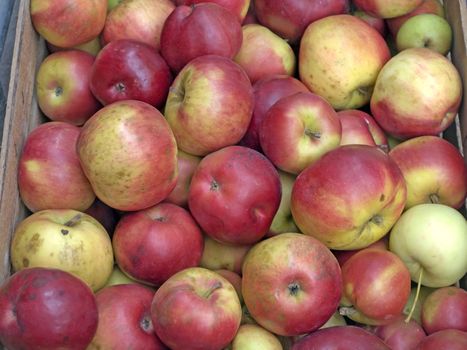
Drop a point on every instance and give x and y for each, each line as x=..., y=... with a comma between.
x=34, y=243
x=25, y=262
x=382, y=197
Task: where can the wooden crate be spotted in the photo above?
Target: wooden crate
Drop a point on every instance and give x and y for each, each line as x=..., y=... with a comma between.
x=22, y=113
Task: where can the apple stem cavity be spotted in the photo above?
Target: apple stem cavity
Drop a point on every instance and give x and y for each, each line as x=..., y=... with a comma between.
x=419, y=283
x=211, y=290
x=313, y=134
x=73, y=221
x=434, y=198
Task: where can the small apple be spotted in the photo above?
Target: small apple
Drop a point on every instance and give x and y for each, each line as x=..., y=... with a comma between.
x=387, y=8
x=254, y=337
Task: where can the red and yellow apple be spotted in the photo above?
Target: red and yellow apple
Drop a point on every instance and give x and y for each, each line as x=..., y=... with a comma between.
x=387, y=8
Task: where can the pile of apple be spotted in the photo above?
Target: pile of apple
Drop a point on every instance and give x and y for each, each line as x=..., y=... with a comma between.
x=227, y=174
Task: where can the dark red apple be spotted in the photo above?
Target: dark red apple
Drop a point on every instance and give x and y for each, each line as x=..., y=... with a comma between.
x=449, y=339
x=106, y=215
x=198, y=30
x=44, y=308
x=401, y=335
x=130, y=70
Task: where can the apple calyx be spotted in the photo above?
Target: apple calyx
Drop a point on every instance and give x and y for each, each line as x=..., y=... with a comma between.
x=419, y=283
x=211, y=290
x=294, y=289
x=58, y=91
x=214, y=186
x=146, y=324
x=120, y=87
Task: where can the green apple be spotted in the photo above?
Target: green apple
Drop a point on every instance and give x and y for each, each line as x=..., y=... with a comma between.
x=118, y=277
x=425, y=30
x=417, y=312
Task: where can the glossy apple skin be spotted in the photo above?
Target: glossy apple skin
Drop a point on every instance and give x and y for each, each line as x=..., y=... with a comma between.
x=121, y=179
x=225, y=212
x=68, y=23
x=340, y=58
x=451, y=339
x=445, y=309
x=341, y=338
x=343, y=255
x=238, y=7
x=140, y=20
x=125, y=319
x=418, y=92
x=298, y=130
x=433, y=169
x=196, y=309
x=349, y=207
x=107, y=216
x=209, y=105
x=153, y=244
x=130, y=70
x=43, y=308
x=291, y=283
x=289, y=18
x=376, y=284
x=387, y=8
x=267, y=92
x=49, y=172
x=198, y=30
x=378, y=23
x=401, y=335
x=62, y=87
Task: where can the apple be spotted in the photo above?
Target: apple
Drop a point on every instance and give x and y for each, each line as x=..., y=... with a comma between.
x=254, y=337
x=107, y=216
x=234, y=195
x=250, y=17
x=112, y=4
x=198, y=30
x=445, y=309
x=139, y=20
x=335, y=320
x=267, y=92
x=186, y=165
x=44, y=308
x=125, y=319
x=49, y=172
x=153, y=244
x=340, y=59
x=65, y=239
x=433, y=259
x=196, y=309
x=298, y=130
x=126, y=180
x=401, y=335
x=349, y=198
x=289, y=18
x=235, y=279
x=341, y=337
x=418, y=92
x=209, y=105
x=343, y=255
x=217, y=255
x=451, y=339
x=62, y=87
x=92, y=47
x=118, y=277
x=68, y=23
x=130, y=70
x=291, y=283
x=377, y=23
x=387, y=8
x=415, y=311
x=238, y=7
x=433, y=169
x=376, y=287
x=264, y=53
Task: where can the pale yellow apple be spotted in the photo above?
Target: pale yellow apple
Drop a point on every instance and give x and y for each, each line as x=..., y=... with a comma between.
x=254, y=337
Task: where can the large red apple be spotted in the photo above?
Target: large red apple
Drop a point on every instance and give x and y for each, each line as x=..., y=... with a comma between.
x=234, y=195
x=125, y=319
x=140, y=20
x=49, y=172
x=68, y=23
x=387, y=8
x=126, y=180
x=209, y=105
x=291, y=283
x=198, y=30
x=238, y=7
x=401, y=335
x=44, y=308
x=196, y=309
x=298, y=130
x=451, y=339
x=349, y=198
x=153, y=244
x=130, y=70
x=62, y=87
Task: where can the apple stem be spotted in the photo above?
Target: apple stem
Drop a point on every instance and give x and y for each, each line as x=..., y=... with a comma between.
x=211, y=290
x=419, y=283
x=434, y=198
x=73, y=221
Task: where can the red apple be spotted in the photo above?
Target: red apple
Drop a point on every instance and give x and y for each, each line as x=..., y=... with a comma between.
x=289, y=18
x=209, y=105
x=401, y=335
x=445, y=308
x=238, y=7
x=377, y=23
x=42, y=308
x=387, y=8
x=130, y=70
x=343, y=255
x=298, y=130
x=62, y=87
x=451, y=339
x=349, y=198
x=250, y=17
x=68, y=23
x=267, y=92
x=196, y=309
x=125, y=319
x=291, y=283
x=140, y=20
x=107, y=216
x=234, y=195
x=433, y=169
x=49, y=172
x=126, y=180
x=198, y=30
x=153, y=244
